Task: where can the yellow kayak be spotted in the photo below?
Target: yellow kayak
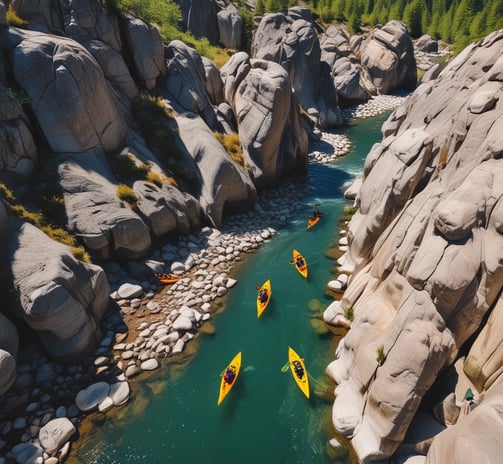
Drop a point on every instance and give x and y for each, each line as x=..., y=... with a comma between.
x=229, y=377
x=299, y=372
x=300, y=263
x=263, y=297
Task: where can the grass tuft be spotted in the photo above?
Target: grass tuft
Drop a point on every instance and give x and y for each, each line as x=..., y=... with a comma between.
x=232, y=146
x=126, y=193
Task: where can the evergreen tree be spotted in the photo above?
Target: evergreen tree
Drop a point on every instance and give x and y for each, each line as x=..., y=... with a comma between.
x=397, y=9
x=412, y=16
x=354, y=23
x=494, y=16
x=259, y=7
x=478, y=25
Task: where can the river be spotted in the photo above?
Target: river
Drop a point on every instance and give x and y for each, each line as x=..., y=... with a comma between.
x=173, y=415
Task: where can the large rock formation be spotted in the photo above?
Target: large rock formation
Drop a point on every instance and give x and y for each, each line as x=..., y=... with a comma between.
x=273, y=138
x=426, y=268
x=70, y=97
x=387, y=60
x=345, y=66
x=61, y=298
x=292, y=41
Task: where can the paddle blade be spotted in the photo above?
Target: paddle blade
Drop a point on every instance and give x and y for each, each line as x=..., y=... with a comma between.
x=285, y=367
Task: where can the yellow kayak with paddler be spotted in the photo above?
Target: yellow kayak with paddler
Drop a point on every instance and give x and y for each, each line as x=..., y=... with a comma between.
x=298, y=369
x=229, y=377
x=300, y=263
x=263, y=297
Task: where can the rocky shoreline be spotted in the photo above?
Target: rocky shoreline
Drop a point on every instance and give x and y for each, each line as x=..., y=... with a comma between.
x=149, y=323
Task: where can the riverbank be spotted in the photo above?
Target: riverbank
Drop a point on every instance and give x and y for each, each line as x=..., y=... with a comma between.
x=151, y=324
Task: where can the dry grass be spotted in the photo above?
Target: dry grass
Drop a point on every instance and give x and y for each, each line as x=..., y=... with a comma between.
x=232, y=146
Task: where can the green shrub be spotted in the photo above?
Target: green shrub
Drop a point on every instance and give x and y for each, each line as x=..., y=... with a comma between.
x=381, y=356
x=154, y=120
x=349, y=314
x=126, y=193
x=126, y=169
x=350, y=210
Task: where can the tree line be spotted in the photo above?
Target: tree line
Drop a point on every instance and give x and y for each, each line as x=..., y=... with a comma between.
x=457, y=22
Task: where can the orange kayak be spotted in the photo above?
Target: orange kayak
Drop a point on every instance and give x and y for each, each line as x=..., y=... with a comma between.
x=312, y=221
x=167, y=278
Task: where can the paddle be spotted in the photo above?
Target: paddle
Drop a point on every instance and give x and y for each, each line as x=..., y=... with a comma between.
x=285, y=367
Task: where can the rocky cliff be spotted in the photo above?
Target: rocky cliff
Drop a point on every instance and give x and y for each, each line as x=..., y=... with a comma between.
x=418, y=374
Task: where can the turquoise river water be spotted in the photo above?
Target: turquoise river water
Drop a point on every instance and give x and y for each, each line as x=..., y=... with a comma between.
x=173, y=415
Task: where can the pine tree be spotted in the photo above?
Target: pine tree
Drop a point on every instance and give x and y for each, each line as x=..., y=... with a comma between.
x=259, y=7
x=412, y=16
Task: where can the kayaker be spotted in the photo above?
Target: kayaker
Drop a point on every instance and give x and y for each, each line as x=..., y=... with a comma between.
x=263, y=295
x=229, y=375
x=299, y=262
x=298, y=369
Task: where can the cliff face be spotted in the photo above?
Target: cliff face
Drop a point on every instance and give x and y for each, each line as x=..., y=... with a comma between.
x=425, y=259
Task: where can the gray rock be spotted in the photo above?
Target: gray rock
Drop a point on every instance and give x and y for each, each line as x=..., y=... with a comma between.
x=199, y=17
x=229, y=27
x=28, y=452
x=221, y=182
x=213, y=82
x=114, y=67
x=274, y=142
x=18, y=152
x=426, y=44
x=387, y=60
x=59, y=297
x=293, y=43
x=109, y=227
x=185, y=82
x=119, y=393
x=55, y=434
x=166, y=209
x=89, y=398
x=146, y=49
x=73, y=118
x=428, y=281
x=149, y=365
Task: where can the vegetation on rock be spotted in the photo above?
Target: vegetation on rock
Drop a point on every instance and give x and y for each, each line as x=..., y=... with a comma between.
x=41, y=221
x=232, y=145
x=126, y=193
